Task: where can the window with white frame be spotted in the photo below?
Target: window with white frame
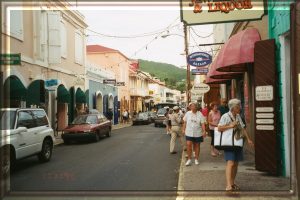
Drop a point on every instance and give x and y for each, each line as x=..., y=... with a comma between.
x=78, y=47
x=54, y=43
x=12, y=22
x=63, y=36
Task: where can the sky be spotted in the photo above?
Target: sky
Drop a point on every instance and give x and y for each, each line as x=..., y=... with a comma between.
x=129, y=21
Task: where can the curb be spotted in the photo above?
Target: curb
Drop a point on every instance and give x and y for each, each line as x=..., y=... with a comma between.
x=180, y=188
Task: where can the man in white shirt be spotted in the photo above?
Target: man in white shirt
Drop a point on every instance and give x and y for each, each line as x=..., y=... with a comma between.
x=194, y=130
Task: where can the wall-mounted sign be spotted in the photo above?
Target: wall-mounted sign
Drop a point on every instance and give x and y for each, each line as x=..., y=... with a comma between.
x=109, y=81
x=219, y=11
x=265, y=127
x=200, y=71
x=199, y=59
x=200, y=88
x=10, y=59
x=264, y=115
x=264, y=93
x=120, y=83
x=265, y=121
x=264, y=109
x=51, y=84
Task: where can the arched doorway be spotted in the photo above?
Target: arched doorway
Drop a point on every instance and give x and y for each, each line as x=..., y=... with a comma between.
x=36, y=96
x=63, y=100
x=111, y=102
x=14, y=92
x=99, y=102
x=80, y=100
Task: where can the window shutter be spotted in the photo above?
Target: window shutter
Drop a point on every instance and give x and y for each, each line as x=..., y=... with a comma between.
x=54, y=48
x=63, y=40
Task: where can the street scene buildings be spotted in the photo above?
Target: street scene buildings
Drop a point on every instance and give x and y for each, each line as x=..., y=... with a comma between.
x=57, y=76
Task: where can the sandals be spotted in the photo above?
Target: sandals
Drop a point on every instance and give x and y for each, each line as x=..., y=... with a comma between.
x=234, y=187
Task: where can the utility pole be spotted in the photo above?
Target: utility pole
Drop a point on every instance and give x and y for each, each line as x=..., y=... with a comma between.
x=188, y=73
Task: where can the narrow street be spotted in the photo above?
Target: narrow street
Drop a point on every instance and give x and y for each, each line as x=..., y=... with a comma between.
x=134, y=158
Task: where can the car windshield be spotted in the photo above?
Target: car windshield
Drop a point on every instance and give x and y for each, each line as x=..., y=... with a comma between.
x=85, y=119
x=7, y=119
x=161, y=111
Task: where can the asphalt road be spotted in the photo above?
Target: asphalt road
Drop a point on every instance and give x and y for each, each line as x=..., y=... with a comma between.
x=133, y=159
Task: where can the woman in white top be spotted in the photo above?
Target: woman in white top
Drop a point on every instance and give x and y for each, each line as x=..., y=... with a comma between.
x=194, y=130
x=228, y=121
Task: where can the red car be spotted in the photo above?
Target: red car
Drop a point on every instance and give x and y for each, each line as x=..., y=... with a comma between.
x=87, y=127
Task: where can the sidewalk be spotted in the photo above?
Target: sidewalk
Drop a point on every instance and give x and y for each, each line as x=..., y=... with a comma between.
x=208, y=179
x=58, y=139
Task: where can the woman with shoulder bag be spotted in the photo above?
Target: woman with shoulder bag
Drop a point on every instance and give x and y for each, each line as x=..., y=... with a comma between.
x=232, y=120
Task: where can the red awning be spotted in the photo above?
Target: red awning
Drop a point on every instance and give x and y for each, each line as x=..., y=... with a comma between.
x=238, y=51
x=209, y=80
x=212, y=73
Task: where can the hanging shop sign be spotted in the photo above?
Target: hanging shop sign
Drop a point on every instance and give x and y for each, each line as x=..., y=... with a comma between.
x=200, y=71
x=10, y=59
x=195, y=12
x=109, y=81
x=200, y=88
x=199, y=59
x=120, y=83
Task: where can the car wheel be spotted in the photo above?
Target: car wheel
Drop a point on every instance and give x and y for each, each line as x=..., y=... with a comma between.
x=46, y=153
x=97, y=136
x=108, y=134
x=67, y=142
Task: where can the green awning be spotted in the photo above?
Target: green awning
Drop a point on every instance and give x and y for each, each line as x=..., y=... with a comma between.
x=36, y=93
x=63, y=95
x=80, y=96
x=14, y=88
x=87, y=96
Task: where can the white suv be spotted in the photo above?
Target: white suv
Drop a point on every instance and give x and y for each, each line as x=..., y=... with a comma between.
x=24, y=132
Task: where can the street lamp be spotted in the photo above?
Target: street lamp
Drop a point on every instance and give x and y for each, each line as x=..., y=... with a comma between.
x=188, y=73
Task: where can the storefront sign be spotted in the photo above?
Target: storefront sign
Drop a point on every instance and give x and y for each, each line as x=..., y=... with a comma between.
x=199, y=59
x=51, y=84
x=264, y=109
x=211, y=11
x=109, y=81
x=11, y=59
x=265, y=121
x=265, y=115
x=200, y=88
x=264, y=93
x=200, y=71
x=265, y=127
x=120, y=83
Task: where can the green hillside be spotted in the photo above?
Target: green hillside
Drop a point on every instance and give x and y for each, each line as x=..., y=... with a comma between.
x=174, y=76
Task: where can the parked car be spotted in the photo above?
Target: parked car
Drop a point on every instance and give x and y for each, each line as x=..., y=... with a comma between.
x=152, y=116
x=159, y=121
x=24, y=133
x=87, y=127
x=141, y=118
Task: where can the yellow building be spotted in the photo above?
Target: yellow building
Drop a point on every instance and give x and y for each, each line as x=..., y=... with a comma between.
x=49, y=38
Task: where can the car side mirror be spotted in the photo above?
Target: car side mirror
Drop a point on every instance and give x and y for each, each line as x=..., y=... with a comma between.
x=21, y=129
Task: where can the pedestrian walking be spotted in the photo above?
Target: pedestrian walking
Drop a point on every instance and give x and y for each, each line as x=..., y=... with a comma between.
x=176, y=122
x=213, y=119
x=223, y=108
x=110, y=114
x=166, y=121
x=229, y=120
x=194, y=130
x=125, y=115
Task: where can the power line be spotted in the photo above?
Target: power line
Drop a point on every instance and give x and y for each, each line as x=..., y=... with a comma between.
x=207, y=36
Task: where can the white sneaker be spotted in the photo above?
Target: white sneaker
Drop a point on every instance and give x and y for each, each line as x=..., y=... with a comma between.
x=188, y=162
x=196, y=162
